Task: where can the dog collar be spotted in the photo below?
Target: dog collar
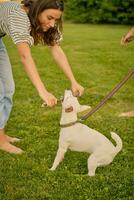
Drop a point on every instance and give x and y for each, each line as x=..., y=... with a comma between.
x=68, y=124
x=71, y=123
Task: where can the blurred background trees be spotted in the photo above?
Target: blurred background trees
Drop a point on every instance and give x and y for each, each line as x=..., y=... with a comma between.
x=100, y=11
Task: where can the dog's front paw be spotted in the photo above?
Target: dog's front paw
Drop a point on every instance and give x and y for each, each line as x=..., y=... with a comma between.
x=91, y=174
x=52, y=169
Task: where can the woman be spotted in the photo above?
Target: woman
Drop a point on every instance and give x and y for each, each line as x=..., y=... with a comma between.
x=32, y=22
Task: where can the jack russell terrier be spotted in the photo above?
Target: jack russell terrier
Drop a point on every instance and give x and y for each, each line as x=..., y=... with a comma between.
x=79, y=137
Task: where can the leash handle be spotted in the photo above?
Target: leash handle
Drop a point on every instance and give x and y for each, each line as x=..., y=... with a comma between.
x=108, y=96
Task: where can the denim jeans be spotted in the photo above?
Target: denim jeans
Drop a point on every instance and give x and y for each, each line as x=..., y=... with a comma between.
x=6, y=86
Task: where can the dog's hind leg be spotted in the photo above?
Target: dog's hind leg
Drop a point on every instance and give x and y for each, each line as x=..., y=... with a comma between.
x=92, y=165
x=59, y=157
x=98, y=160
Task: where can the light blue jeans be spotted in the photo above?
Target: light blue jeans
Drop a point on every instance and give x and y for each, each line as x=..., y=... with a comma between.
x=6, y=86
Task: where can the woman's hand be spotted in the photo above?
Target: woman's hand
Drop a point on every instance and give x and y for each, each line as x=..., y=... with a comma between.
x=77, y=89
x=128, y=37
x=49, y=99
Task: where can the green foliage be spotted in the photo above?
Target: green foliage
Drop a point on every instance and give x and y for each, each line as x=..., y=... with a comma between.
x=100, y=11
x=99, y=63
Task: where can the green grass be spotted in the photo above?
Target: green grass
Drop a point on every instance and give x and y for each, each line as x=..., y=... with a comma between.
x=99, y=63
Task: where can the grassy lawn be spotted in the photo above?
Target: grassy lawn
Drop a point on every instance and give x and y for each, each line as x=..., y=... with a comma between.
x=99, y=63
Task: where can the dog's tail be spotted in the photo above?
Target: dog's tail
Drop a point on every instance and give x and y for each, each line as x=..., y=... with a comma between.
x=118, y=142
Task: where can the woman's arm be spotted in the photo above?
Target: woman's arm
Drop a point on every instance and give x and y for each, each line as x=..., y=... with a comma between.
x=62, y=61
x=30, y=68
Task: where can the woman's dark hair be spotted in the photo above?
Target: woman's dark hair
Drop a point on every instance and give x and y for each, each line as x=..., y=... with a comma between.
x=35, y=7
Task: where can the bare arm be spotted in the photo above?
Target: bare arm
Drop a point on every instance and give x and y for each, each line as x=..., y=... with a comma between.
x=30, y=68
x=62, y=61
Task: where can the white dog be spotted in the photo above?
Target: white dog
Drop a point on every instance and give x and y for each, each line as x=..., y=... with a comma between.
x=79, y=137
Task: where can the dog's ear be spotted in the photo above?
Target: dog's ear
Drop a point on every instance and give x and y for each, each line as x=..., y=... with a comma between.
x=83, y=108
x=69, y=109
